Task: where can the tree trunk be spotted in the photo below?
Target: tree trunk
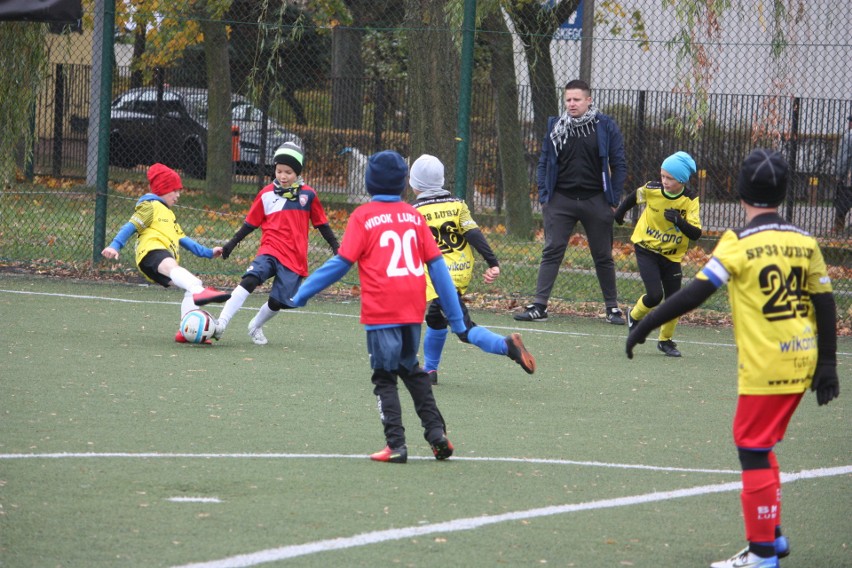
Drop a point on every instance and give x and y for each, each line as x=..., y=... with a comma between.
x=513, y=169
x=347, y=79
x=433, y=84
x=219, y=162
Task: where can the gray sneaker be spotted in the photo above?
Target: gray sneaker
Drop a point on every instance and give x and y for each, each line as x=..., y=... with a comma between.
x=615, y=316
x=532, y=312
x=256, y=334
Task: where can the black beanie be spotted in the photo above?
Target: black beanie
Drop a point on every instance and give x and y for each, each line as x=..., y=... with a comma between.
x=386, y=173
x=763, y=178
x=291, y=155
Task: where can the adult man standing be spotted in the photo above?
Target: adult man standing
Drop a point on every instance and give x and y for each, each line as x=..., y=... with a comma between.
x=580, y=175
x=843, y=197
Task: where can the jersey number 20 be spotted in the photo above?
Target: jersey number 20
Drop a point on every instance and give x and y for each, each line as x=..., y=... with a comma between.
x=403, y=261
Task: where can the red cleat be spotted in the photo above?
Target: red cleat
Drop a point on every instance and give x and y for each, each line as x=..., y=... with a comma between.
x=391, y=456
x=179, y=338
x=210, y=296
x=442, y=448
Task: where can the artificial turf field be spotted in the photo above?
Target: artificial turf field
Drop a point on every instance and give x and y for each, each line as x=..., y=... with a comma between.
x=119, y=447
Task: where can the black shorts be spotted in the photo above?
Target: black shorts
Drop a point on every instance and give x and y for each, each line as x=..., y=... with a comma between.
x=149, y=263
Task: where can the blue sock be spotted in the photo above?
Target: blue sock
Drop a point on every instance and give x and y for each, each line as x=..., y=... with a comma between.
x=487, y=340
x=433, y=345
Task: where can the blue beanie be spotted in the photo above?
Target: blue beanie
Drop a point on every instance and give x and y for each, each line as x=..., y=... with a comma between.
x=680, y=165
x=386, y=173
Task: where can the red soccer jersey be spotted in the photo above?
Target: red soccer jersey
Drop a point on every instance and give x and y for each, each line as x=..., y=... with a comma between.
x=391, y=243
x=285, y=225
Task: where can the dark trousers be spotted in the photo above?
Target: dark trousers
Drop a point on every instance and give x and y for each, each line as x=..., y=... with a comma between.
x=661, y=277
x=561, y=215
x=842, y=203
x=393, y=354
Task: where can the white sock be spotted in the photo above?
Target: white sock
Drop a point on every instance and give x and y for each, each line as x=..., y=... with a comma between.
x=187, y=304
x=264, y=315
x=183, y=278
x=232, y=306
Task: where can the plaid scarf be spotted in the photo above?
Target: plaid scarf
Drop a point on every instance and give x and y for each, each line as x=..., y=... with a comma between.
x=568, y=126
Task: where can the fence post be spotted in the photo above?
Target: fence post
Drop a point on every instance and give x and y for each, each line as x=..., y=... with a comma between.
x=465, y=95
x=793, y=159
x=102, y=176
x=58, y=119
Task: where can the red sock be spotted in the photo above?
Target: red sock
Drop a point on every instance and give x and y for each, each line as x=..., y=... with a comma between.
x=760, y=504
x=776, y=470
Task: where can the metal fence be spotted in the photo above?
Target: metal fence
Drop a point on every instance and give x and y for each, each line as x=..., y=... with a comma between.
x=390, y=74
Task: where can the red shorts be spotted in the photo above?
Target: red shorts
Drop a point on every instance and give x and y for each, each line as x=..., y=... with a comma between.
x=761, y=420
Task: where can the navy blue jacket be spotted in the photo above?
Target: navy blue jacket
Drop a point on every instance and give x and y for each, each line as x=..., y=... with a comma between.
x=613, y=161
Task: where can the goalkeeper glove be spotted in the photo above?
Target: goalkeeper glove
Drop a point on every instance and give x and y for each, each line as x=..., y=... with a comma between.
x=825, y=383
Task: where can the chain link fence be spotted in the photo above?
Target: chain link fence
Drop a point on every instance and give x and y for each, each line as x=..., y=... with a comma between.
x=213, y=88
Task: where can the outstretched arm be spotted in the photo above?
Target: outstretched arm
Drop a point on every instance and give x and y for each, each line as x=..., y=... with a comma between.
x=241, y=233
x=328, y=235
x=119, y=241
x=446, y=290
x=330, y=272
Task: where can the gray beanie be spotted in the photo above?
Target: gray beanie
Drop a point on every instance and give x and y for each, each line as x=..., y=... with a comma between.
x=427, y=173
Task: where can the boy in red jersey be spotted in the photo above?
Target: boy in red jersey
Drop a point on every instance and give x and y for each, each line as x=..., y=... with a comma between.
x=283, y=211
x=784, y=327
x=159, y=239
x=392, y=244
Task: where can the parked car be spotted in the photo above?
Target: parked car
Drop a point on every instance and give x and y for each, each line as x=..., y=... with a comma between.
x=173, y=130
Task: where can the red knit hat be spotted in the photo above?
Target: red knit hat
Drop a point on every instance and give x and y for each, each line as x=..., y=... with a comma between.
x=163, y=179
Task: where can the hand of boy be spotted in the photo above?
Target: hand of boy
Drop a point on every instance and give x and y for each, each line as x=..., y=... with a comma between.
x=672, y=216
x=217, y=252
x=109, y=252
x=491, y=274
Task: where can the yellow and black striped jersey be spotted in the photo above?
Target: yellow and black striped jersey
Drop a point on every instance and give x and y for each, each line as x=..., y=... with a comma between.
x=657, y=234
x=771, y=268
x=156, y=228
x=449, y=219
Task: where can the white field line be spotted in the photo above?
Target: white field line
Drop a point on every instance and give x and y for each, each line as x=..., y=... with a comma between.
x=159, y=455
x=335, y=314
x=194, y=500
x=376, y=537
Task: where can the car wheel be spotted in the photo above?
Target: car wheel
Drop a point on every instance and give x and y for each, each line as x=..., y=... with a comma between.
x=119, y=154
x=194, y=160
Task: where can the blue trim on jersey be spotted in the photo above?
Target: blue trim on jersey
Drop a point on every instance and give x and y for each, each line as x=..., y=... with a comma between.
x=386, y=198
x=330, y=272
x=123, y=235
x=446, y=289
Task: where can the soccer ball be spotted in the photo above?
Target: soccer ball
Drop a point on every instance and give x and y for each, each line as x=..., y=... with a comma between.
x=197, y=326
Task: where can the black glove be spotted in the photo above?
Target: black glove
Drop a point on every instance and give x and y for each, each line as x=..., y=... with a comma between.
x=635, y=337
x=673, y=216
x=228, y=248
x=619, y=219
x=825, y=383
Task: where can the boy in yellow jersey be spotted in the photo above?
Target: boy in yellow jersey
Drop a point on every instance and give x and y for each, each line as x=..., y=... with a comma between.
x=668, y=223
x=157, y=240
x=456, y=234
x=784, y=327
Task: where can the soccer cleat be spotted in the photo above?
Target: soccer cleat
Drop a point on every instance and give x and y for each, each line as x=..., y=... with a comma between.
x=179, y=338
x=433, y=377
x=219, y=330
x=256, y=334
x=442, y=448
x=519, y=354
x=532, y=312
x=630, y=321
x=782, y=547
x=746, y=559
x=615, y=316
x=668, y=347
x=209, y=296
x=400, y=455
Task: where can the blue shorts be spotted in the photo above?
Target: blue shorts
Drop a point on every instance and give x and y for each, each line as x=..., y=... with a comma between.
x=286, y=282
x=392, y=348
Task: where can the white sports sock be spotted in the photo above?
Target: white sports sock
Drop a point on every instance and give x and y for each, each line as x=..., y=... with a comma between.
x=183, y=278
x=187, y=304
x=232, y=306
x=264, y=315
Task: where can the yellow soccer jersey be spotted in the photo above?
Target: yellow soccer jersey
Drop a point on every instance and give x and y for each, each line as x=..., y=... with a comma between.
x=657, y=234
x=449, y=219
x=156, y=228
x=771, y=268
